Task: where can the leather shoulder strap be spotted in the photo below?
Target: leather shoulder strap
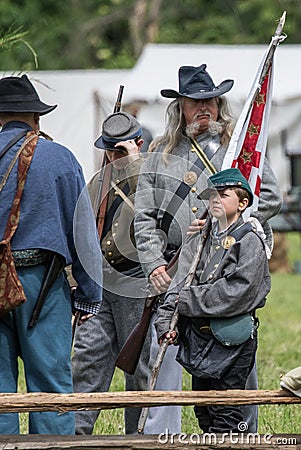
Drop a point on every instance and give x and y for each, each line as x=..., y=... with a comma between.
x=104, y=198
x=202, y=162
x=113, y=208
x=26, y=153
x=237, y=235
x=12, y=142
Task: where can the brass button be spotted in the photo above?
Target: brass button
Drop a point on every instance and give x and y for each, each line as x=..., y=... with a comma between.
x=210, y=277
x=215, y=266
x=193, y=189
x=116, y=224
x=190, y=177
x=217, y=247
x=114, y=234
x=194, y=209
x=110, y=254
x=112, y=261
x=108, y=242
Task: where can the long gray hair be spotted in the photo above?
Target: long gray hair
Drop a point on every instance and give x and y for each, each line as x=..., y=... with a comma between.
x=175, y=124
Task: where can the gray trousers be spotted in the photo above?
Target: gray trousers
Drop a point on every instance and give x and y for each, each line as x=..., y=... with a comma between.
x=250, y=412
x=96, y=346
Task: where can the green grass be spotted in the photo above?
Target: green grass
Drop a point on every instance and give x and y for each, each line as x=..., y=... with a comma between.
x=279, y=351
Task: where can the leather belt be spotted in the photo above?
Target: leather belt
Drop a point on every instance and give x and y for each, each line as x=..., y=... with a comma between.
x=201, y=325
x=30, y=257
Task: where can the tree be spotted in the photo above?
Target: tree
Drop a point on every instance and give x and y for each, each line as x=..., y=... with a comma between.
x=14, y=37
x=89, y=34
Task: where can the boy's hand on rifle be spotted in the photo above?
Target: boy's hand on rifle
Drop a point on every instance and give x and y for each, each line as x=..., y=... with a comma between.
x=160, y=279
x=196, y=225
x=171, y=337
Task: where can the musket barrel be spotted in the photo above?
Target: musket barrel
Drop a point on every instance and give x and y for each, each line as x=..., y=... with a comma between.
x=117, y=106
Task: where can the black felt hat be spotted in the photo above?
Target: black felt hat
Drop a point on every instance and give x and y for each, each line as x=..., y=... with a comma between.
x=17, y=95
x=196, y=83
x=118, y=127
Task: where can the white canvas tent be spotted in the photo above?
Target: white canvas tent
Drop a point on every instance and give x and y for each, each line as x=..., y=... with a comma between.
x=86, y=97
x=76, y=122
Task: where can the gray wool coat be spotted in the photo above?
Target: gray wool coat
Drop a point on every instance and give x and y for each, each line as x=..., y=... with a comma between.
x=159, y=180
x=238, y=285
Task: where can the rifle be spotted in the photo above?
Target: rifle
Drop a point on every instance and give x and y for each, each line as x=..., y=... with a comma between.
x=129, y=355
x=117, y=106
x=54, y=269
x=173, y=323
x=102, y=197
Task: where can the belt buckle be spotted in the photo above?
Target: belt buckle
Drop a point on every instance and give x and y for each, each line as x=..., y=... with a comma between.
x=205, y=329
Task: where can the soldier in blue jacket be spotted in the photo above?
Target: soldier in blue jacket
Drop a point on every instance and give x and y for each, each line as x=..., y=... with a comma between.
x=54, y=192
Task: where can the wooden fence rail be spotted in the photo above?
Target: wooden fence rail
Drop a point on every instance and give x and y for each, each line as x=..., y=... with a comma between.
x=41, y=401
x=149, y=442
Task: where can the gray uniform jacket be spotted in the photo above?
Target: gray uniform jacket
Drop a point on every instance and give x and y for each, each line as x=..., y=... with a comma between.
x=237, y=285
x=118, y=243
x=159, y=180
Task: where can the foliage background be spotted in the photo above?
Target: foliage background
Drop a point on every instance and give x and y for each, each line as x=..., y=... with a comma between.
x=89, y=34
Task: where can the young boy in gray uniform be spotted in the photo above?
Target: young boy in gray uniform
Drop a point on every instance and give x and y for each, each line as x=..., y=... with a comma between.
x=217, y=327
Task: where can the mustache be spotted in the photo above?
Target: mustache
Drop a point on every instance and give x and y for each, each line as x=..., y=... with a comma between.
x=193, y=128
x=200, y=114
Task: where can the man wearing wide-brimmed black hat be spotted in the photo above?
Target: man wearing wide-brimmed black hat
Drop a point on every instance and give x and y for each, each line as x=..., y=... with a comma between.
x=198, y=130
x=54, y=190
x=99, y=341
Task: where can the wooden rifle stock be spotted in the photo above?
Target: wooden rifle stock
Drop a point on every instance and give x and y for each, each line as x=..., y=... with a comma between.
x=129, y=355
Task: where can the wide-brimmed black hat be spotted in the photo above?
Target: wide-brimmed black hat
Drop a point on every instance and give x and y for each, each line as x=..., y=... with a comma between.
x=17, y=95
x=118, y=127
x=225, y=179
x=196, y=83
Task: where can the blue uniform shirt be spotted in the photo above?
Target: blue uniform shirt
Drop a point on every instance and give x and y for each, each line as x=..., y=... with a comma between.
x=53, y=186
